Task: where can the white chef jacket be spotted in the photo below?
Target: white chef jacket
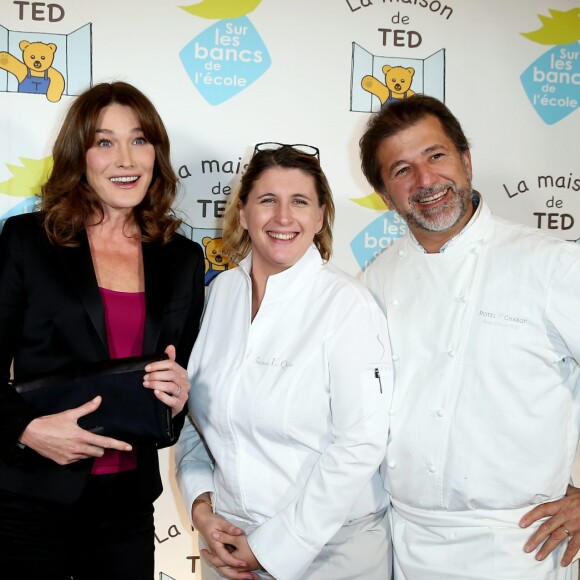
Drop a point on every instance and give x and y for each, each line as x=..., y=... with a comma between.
x=485, y=336
x=292, y=408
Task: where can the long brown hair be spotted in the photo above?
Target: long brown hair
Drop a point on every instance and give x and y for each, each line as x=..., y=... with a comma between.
x=237, y=243
x=67, y=200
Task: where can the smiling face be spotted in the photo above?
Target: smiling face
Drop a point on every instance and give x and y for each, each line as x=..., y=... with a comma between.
x=120, y=162
x=427, y=180
x=282, y=216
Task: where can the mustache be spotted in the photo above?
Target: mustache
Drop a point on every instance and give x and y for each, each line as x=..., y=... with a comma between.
x=416, y=197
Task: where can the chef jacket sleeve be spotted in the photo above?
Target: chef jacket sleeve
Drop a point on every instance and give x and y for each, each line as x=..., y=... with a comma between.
x=193, y=465
x=360, y=379
x=563, y=312
x=563, y=304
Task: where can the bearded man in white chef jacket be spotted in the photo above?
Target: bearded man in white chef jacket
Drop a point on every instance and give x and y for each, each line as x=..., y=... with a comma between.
x=484, y=320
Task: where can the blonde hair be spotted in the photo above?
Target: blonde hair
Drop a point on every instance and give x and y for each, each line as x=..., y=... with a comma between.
x=237, y=243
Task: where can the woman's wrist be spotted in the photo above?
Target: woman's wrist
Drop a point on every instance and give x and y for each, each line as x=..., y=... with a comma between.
x=201, y=505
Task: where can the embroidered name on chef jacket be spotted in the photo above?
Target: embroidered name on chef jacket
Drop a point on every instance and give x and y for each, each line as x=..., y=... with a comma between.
x=272, y=361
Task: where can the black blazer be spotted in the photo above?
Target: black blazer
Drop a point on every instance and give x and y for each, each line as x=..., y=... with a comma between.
x=52, y=317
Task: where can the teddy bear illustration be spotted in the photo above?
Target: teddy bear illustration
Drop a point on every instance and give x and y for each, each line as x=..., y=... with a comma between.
x=215, y=260
x=397, y=84
x=35, y=72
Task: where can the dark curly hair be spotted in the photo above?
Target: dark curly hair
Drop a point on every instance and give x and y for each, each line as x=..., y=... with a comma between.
x=397, y=117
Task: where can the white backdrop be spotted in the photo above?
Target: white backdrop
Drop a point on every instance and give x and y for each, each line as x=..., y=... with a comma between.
x=227, y=74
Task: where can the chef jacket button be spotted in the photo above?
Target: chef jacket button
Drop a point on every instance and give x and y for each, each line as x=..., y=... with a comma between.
x=392, y=411
x=391, y=464
x=431, y=468
x=451, y=353
x=401, y=253
x=395, y=356
x=463, y=298
x=440, y=412
x=476, y=251
x=395, y=302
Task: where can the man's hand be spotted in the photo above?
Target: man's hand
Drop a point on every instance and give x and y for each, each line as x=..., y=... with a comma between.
x=562, y=525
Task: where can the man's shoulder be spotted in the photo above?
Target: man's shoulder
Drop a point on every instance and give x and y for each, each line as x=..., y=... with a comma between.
x=509, y=233
x=529, y=250
x=341, y=285
x=382, y=262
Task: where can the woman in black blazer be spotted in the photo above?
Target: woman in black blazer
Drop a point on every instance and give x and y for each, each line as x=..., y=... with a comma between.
x=98, y=273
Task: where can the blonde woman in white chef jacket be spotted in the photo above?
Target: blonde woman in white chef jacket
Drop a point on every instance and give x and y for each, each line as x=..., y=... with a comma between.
x=291, y=382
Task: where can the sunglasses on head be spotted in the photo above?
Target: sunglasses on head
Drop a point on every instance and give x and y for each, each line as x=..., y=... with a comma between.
x=300, y=147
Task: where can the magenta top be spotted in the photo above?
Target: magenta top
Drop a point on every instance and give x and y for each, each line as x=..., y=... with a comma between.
x=125, y=323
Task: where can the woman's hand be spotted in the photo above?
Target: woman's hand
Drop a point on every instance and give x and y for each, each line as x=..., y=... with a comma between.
x=169, y=381
x=58, y=437
x=225, y=544
x=238, y=546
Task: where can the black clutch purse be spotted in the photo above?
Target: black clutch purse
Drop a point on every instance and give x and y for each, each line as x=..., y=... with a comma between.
x=128, y=411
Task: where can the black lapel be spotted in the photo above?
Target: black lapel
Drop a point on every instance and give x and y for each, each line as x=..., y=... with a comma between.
x=77, y=264
x=158, y=282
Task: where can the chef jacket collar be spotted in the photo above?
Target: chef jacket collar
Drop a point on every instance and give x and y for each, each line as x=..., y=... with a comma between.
x=284, y=282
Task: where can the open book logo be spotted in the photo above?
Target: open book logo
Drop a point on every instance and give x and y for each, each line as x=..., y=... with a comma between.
x=44, y=63
x=377, y=80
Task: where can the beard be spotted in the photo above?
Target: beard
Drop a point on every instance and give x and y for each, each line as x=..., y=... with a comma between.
x=443, y=216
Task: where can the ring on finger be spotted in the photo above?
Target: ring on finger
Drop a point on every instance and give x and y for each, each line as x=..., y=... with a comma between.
x=176, y=395
x=567, y=532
